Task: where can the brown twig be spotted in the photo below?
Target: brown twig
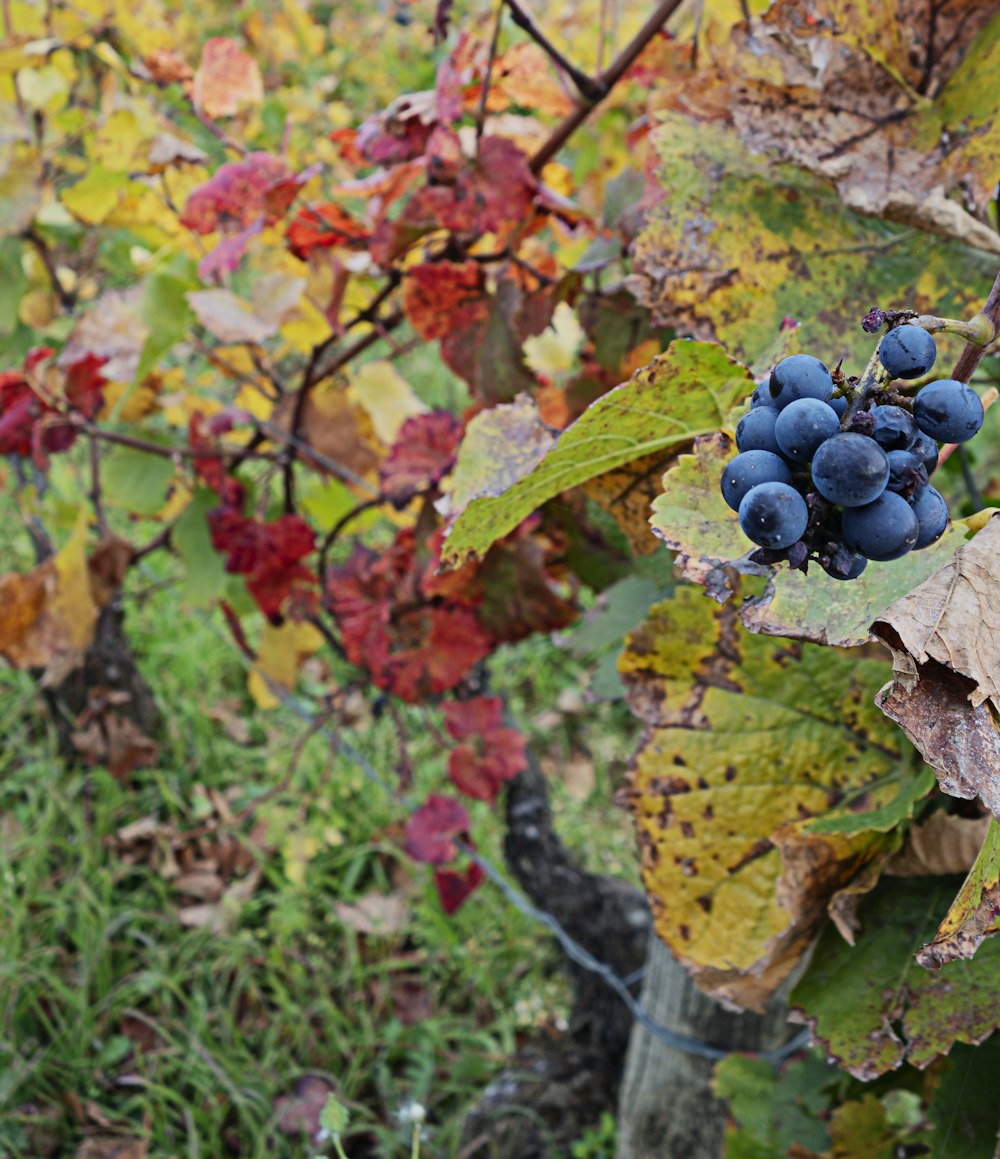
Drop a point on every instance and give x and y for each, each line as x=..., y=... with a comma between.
x=590, y=89
x=67, y=299
x=219, y=132
x=164, y=452
x=487, y=79
x=162, y=539
x=331, y=536
x=95, y=487
x=607, y=80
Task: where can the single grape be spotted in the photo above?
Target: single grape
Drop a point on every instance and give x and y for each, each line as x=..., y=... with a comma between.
x=948, y=411
x=839, y=404
x=750, y=469
x=799, y=376
x=932, y=516
x=755, y=430
x=761, y=396
x=884, y=529
x=894, y=428
x=845, y=566
x=773, y=515
x=801, y=427
x=850, y=470
x=907, y=352
x=926, y=450
x=907, y=474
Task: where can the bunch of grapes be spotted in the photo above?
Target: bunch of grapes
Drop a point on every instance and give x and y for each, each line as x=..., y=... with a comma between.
x=829, y=472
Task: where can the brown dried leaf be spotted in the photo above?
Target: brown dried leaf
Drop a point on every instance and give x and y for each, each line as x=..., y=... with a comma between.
x=335, y=428
x=945, y=641
x=944, y=843
x=112, y=1147
x=47, y=617
x=374, y=913
x=113, y=329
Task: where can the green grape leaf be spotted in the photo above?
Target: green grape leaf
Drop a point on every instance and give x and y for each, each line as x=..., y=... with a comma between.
x=691, y=517
x=748, y=739
x=872, y=1009
x=135, y=480
x=964, y=1107
x=774, y=1110
x=686, y=392
x=741, y=244
x=973, y=915
x=204, y=570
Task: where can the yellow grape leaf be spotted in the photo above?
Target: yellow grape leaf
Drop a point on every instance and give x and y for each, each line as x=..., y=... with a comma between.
x=92, y=199
x=20, y=178
x=749, y=738
x=386, y=396
x=554, y=351
x=45, y=90
x=279, y=655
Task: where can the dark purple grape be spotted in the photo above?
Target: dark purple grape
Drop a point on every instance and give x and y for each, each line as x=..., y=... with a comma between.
x=907, y=474
x=755, y=430
x=845, y=566
x=802, y=426
x=931, y=512
x=907, y=352
x=884, y=529
x=761, y=396
x=948, y=411
x=839, y=404
x=926, y=450
x=850, y=470
x=751, y=469
x=799, y=376
x=894, y=428
x=774, y=515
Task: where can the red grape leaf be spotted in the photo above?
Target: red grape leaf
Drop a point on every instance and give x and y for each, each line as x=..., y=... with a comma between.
x=400, y=132
x=267, y=555
x=439, y=297
x=475, y=717
x=454, y=887
x=240, y=192
x=431, y=828
x=321, y=226
x=421, y=456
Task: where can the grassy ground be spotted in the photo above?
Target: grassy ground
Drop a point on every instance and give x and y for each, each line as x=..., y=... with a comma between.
x=187, y=958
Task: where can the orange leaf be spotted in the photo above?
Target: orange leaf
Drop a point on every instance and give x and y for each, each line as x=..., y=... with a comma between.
x=227, y=79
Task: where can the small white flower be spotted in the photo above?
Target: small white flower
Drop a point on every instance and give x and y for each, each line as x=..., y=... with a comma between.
x=411, y=1112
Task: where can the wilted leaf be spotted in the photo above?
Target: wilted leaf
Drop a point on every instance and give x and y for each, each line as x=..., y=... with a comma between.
x=748, y=739
x=945, y=695
x=974, y=913
x=47, y=617
x=226, y=80
x=872, y=1010
x=685, y=393
x=334, y=427
x=376, y=914
x=944, y=843
x=963, y=1109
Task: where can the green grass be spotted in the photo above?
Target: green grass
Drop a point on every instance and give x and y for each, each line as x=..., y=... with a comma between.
x=188, y=1037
